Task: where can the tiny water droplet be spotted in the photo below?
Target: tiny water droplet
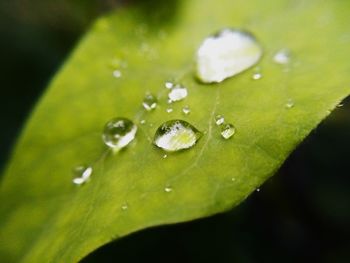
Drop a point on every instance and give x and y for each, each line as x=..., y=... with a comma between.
x=168, y=110
x=186, y=110
x=119, y=132
x=149, y=102
x=226, y=54
x=219, y=120
x=165, y=156
x=125, y=207
x=340, y=105
x=256, y=76
x=258, y=189
x=168, y=189
x=169, y=84
x=282, y=57
x=82, y=174
x=227, y=131
x=117, y=73
x=289, y=104
x=175, y=135
x=178, y=93
x=142, y=122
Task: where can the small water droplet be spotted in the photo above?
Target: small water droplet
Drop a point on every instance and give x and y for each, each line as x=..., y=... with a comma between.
x=149, y=102
x=169, y=84
x=289, y=104
x=168, y=110
x=256, y=76
x=258, y=189
x=119, y=132
x=178, y=93
x=168, y=189
x=227, y=131
x=165, y=156
x=282, y=57
x=186, y=110
x=125, y=207
x=175, y=135
x=340, y=105
x=219, y=120
x=82, y=174
x=142, y=122
x=117, y=73
x=226, y=54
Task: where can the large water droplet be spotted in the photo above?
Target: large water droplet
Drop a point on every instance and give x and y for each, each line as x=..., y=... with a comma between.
x=176, y=135
x=282, y=56
x=177, y=93
x=119, y=132
x=227, y=131
x=226, y=54
x=219, y=120
x=149, y=102
x=82, y=174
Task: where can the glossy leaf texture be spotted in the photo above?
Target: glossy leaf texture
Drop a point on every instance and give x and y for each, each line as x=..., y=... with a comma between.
x=45, y=218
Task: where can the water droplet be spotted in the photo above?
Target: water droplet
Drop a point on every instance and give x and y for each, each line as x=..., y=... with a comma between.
x=233, y=179
x=227, y=131
x=257, y=76
x=258, y=189
x=175, y=135
x=226, y=54
x=282, y=56
x=117, y=73
x=143, y=122
x=169, y=85
x=125, y=207
x=149, y=102
x=219, y=120
x=340, y=105
x=119, y=132
x=168, y=110
x=82, y=174
x=168, y=189
x=177, y=93
x=186, y=110
x=289, y=104
x=165, y=156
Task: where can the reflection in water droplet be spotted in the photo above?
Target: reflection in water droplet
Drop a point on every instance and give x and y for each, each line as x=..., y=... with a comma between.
x=289, y=104
x=117, y=73
x=168, y=189
x=168, y=110
x=175, y=135
x=219, y=120
x=226, y=54
x=149, y=102
x=282, y=56
x=119, y=132
x=177, y=93
x=169, y=85
x=227, y=131
x=186, y=110
x=82, y=174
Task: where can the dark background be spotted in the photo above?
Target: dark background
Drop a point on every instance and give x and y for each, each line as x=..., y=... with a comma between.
x=300, y=215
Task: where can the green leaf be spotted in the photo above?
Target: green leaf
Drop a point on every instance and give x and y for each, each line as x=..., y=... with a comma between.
x=45, y=218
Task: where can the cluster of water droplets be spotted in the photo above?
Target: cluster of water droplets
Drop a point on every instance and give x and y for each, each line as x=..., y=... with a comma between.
x=227, y=130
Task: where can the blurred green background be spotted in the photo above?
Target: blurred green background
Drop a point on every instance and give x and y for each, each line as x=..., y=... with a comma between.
x=300, y=215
